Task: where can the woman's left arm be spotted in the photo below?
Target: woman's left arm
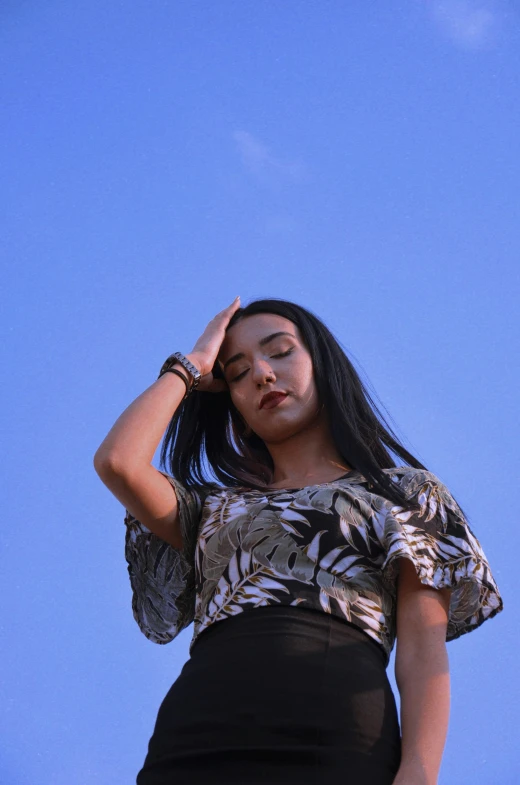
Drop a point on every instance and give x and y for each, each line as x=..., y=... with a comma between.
x=422, y=676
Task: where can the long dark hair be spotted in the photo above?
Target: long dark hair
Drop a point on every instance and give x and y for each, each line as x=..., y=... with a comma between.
x=207, y=427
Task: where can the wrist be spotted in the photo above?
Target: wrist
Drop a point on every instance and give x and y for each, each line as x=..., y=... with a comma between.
x=417, y=774
x=197, y=361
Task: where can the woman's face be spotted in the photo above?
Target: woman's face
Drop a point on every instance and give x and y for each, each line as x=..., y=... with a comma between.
x=283, y=364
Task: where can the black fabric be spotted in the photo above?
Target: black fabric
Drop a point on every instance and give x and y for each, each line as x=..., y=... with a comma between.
x=278, y=695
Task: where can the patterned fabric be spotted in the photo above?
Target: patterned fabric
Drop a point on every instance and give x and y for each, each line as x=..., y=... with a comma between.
x=333, y=547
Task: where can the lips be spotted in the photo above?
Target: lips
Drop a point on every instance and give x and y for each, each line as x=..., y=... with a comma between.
x=272, y=399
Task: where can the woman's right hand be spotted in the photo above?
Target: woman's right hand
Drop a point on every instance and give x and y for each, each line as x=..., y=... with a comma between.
x=204, y=353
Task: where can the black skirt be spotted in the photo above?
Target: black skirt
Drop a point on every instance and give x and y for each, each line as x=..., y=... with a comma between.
x=278, y=695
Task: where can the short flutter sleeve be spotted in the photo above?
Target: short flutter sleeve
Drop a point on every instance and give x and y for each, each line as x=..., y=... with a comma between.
x=161, y=576
x=444, y=550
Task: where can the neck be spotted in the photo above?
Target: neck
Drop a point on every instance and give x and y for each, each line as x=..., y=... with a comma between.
x=306, y=457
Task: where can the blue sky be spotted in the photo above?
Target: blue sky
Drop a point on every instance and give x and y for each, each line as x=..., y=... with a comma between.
x=158, y=158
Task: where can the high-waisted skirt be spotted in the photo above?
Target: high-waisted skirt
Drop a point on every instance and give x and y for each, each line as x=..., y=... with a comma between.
x=277, y=695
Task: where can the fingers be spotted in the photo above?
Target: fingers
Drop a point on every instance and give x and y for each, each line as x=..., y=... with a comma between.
x=233, y=306
x=208, y=345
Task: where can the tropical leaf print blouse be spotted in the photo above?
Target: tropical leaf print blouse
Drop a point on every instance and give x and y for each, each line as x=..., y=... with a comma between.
x=332, y=547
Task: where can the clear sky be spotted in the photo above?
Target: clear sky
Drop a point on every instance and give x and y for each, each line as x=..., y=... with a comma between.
x=158, y=158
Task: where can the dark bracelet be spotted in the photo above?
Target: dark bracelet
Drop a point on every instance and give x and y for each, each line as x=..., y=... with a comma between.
x=184, y=379
x=177, y=358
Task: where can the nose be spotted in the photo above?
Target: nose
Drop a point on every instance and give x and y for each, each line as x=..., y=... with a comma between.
x=262, y=372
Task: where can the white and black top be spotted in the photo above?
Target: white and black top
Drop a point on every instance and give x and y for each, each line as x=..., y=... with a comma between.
x=332, y=547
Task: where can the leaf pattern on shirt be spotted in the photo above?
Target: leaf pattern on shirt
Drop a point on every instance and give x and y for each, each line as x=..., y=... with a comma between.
x=333, y=547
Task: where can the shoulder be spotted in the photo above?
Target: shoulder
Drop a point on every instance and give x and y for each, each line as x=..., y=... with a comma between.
x=209, y=492
x=430, y=492
x=411, y=479
x=411, y=474
x=195, y=496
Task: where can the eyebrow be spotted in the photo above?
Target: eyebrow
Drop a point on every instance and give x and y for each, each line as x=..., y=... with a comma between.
x=262, y=342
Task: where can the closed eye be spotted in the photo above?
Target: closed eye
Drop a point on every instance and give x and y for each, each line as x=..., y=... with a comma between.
x=283, y=354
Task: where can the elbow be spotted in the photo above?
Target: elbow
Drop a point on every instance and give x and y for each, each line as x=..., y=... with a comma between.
x=104, y=463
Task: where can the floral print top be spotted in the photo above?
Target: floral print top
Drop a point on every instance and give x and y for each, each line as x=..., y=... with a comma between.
x=332, y=547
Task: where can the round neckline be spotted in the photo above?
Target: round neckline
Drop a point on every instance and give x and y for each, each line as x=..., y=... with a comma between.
x=304, y=487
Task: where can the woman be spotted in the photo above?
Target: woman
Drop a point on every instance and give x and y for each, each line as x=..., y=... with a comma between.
x=301, y=567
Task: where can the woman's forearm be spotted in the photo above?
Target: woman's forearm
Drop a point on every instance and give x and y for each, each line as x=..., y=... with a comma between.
x=424, y=687
x=136, y=434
